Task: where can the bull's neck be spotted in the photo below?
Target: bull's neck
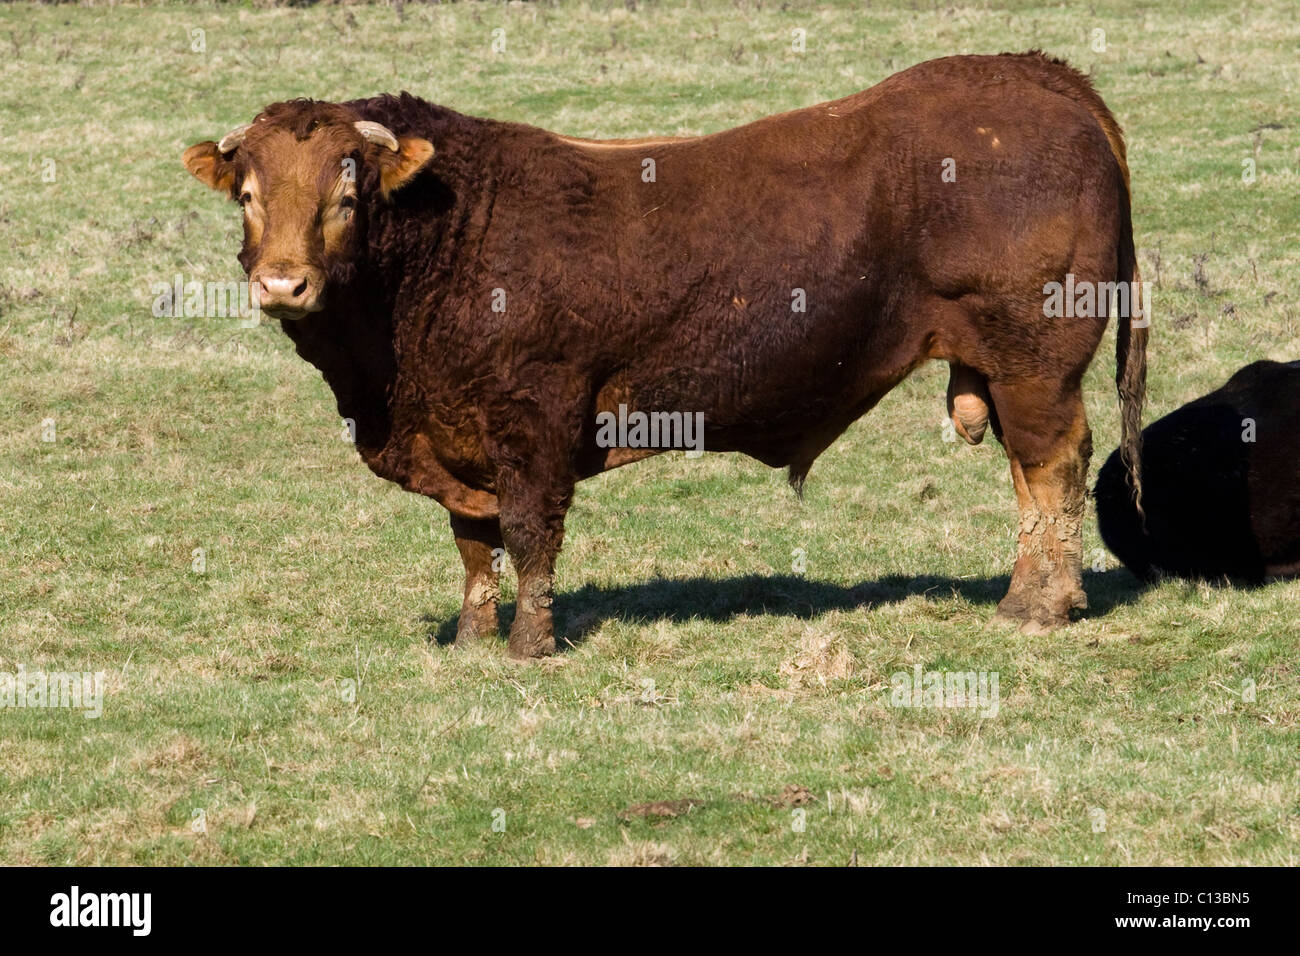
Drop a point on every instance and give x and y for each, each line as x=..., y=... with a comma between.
x=396, y=283
x=351, y=343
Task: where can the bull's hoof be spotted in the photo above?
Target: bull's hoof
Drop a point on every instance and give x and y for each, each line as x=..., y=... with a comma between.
x=532, y=649
x=1039, y=602
x=531, y=637
x=469, y=634
x=1034, y=619
x=476, y=624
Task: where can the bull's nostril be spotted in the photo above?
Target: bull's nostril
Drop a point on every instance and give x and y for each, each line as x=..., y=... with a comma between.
x=301, y=289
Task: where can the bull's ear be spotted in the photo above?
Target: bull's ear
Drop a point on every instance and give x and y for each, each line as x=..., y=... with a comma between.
x=205, y=162
x=397, y=168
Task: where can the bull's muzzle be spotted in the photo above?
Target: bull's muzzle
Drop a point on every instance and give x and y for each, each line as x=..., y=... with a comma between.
x=287, y=293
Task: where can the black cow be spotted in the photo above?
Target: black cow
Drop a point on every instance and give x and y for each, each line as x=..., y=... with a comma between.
x=1220, y=484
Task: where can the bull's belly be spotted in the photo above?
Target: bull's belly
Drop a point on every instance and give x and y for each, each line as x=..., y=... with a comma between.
x=776, y=427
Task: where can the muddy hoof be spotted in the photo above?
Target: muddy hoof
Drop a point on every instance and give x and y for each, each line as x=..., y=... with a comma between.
x=532, y=638
x=1034, y=620
x=476, y=625
x=532, y=650
x=469, y=635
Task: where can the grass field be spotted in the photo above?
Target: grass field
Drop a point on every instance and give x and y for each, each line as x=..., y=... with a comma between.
x=292, y=701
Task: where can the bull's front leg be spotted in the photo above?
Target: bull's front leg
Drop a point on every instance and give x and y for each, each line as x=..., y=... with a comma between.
x=532, y=524
x=531, y=439
x=479, y=543
x=534, y=495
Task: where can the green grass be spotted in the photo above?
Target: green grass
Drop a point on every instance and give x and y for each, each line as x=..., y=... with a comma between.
x=704, y=667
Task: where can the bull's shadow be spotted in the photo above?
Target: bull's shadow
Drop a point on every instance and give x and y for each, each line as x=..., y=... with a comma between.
x=582, y=611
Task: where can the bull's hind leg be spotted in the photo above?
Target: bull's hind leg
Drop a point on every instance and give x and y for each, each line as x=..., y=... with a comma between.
x=1046, y=435
x=480, y=546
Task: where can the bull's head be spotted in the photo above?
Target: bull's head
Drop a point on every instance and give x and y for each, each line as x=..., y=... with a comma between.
x=305, y=174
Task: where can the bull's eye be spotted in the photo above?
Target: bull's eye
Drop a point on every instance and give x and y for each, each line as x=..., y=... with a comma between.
x=346, y=205
x=245, y=198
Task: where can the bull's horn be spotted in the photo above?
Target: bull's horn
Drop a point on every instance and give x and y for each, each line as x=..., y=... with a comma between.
x=230, y=142
x=377, y=133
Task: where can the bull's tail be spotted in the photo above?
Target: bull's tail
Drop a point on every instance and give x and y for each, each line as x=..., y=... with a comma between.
x=1131, y=357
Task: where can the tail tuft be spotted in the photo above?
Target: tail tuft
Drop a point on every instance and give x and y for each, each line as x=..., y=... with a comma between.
x=797, y=475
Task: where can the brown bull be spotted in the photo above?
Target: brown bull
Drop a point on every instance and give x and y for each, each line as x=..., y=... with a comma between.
x=485, y=297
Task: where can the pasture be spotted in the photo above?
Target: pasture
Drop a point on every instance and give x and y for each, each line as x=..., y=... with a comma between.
x=180, y=510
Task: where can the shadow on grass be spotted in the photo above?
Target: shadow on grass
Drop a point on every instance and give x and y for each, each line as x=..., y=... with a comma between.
x=578, y=613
